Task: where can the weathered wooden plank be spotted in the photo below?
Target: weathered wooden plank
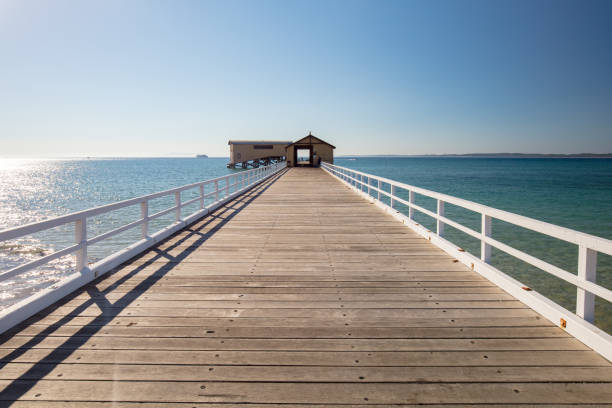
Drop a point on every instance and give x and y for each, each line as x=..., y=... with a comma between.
x=339, y=312
x=296, y=304
x=141, y=372
x=308, y=297
x=309, y=393
x=309, y=344
x=311, y=358
x=532, y=321
x=356, y=332
x=116, y=404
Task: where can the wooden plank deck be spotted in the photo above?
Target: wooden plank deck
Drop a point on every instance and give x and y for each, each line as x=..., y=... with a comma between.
x=297, y=294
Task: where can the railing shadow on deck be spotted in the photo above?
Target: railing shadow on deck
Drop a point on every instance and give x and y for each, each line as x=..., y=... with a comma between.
x=18, y=387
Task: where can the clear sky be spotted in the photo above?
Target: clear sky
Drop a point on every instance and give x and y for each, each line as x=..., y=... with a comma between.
x=157, y=78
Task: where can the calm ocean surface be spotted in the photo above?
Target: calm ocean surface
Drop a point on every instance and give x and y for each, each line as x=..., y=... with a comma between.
x=574, y=193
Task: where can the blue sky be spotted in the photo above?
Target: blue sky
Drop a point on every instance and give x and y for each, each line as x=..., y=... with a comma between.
x=156, y=78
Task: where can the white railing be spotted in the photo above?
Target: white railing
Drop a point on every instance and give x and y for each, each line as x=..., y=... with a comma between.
x=220, y=189
x=578, y=324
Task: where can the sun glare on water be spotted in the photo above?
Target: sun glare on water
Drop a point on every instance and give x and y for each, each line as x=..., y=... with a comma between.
x=12, y=164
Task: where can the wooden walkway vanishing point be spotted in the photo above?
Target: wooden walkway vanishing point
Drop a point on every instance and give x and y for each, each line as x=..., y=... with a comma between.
x=297, y=294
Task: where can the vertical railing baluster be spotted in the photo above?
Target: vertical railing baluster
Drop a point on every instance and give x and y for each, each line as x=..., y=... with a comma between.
x=216, y=190
x=201, y=196
x=587, y=270
x=227, y=186
x=392, y=195
x=369, y=186
x=144, y=214
x=379, y=188
x=177, y=203
x=80, y=237
x=485, y=249
x=411, y=201
x=439, y=223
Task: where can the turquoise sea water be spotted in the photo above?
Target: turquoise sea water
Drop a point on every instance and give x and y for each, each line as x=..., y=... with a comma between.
x=575, y=193
x=34, y=190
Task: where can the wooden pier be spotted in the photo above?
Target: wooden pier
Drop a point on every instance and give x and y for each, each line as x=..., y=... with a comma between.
x=299, y=293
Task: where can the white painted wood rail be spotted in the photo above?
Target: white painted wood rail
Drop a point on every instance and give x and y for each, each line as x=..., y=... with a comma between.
x=222, y=188
x=578, y=324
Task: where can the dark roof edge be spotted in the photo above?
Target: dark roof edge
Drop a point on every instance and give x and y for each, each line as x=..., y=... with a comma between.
x=322, y=141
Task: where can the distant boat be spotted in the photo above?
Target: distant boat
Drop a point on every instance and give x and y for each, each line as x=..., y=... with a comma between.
x=202, y=156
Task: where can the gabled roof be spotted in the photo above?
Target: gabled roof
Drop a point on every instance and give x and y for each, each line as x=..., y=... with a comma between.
x=310, y=139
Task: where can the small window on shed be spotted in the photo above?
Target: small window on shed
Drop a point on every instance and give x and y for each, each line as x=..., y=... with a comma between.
x=262, y=147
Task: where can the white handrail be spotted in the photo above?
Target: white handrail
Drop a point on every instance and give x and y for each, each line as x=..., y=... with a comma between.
x=588, y=245
x=18, y=312
x=576, y=237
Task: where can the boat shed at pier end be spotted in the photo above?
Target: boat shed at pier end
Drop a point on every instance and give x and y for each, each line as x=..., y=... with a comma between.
x=316, y=149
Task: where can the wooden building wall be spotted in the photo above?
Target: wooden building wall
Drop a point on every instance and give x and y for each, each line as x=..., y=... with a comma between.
x=242, y=151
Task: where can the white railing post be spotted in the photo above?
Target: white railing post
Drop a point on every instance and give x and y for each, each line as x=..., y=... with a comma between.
x=411, y=201
x=369, y=185
x=439, y=223
x=379, y=187
x=80, y=237
x=144, y=214
x=177, y=202
x=201, y=196
x=485, y=249
x=216, y=190
x=227, y=186
x=392, y=195
x=587, y=270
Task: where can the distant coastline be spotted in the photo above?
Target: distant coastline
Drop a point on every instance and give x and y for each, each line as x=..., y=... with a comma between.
x=496, y=155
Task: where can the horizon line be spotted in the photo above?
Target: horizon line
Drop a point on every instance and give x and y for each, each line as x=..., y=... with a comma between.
x=499, y=154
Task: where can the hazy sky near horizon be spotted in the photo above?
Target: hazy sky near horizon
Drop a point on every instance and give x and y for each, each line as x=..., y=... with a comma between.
x=157, y=78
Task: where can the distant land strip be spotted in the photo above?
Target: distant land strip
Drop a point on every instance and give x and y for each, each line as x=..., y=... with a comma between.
x=495, y=155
